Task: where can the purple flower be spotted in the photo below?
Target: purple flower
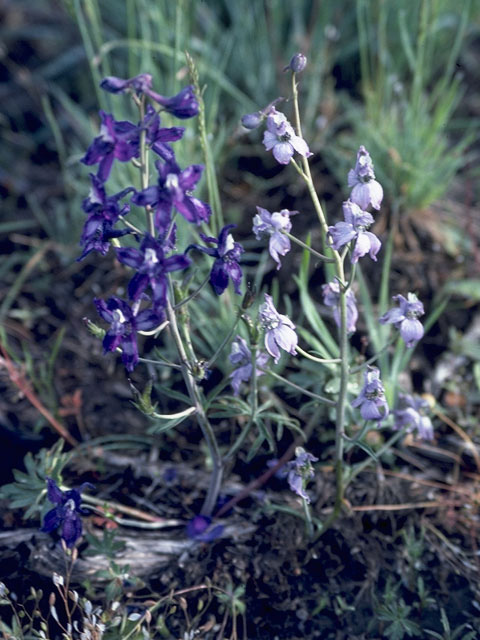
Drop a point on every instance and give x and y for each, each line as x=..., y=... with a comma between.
x=404, y=317
x=331, y=298
x=173, y=190
x=198, y=528
x=273, y=224
x=300, y=471
x=242, y=357
x=279, y=330
x=280, y=136
x=66, y=513
x=227, y=254
x=103, y=213
x=158, y=137
x=372, y=402
x=356, y=221
x=183, y=105
x=117, y=140
x=366, y=190
x=252, y=120
x=411, y=414
x=297, y=64
x=151, y=269
x=124, y=323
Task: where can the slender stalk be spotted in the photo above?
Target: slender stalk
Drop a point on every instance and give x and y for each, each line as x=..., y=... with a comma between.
x=144, y=165
x=205, y=426
x=224, y=342
x=319, y=360
x=318, y=255
x=326, y=401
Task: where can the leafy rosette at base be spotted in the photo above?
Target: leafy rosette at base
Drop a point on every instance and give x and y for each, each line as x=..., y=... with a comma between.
x=274, y=224
x=280, y=137
x=241, y=356
x=405, y=318
x=103, y=213
x=227, y=255
x=331, y=298
x=371, y=400
x=66, y=513
x=117, y=141
x=124, y=323
x=279, y=330
x=354, y=228
x=173, y=190
x=411, y=414
x=366, y=190
x=152, y=267
x=183, y=105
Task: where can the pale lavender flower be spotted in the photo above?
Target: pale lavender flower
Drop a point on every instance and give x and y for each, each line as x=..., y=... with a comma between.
x=354, y=228
x=411, y=414
x=405, y=318
x=366, y=190
x=273, y=224
x=331, y=298
x=300, y=471
x=282, y=139
x=241, y=356
x=371, y=400
x=279, y=330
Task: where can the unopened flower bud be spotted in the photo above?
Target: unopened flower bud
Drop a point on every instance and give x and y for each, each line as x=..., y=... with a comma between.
x=251, y=120
x=249, y=297
x=298, y=63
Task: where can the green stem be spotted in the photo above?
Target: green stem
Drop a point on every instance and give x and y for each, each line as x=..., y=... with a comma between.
x=205, y=426
x=224, y=341
x=320, y=360
x=308, y=519
x=363, y=465
x=318, y=255
x=326, y=401
x=144, y=166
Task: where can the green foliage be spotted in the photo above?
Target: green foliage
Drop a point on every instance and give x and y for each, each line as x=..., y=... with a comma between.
x=29, y=488
x=460, y=633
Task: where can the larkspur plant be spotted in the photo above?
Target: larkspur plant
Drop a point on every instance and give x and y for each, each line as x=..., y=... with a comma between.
x=153, y=302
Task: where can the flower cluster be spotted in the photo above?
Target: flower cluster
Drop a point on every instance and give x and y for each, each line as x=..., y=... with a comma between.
x=153, y=260
x=275, y=225
x=66, y=513
x=411, y=414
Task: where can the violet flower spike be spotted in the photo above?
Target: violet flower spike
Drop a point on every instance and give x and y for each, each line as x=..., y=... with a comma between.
x=151, y=267
x=405, y=318
x=354, y=228
x=273, y=224
x=124, y=322
x=411, y=414
x=227, y=255
x=241, y=356
x=66, y=513
x=173, y=190
x=279, y=330
x=300, y=471
x=371, y=400
x=280, y=137
x=366, y=190
x=103, y=213
x=117, y=141
x=331, y=298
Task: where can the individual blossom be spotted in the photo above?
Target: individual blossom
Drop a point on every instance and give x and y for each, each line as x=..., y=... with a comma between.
x=372, y=402
x=331, y=298
x=227, y=254
x=173, y=190
x=405, y=318
x=281, y=138
x=274, y=224
x=199, y=528
x=279, y=330
x=366, y=190
x=151, y=268
x=183, y=105
x=158, y=137
x=116, y=141
x=241, y=356
x=124, y=322
x=103, y=213
x=66, y=513
x=411, y=414
x=354, y=228
x=300, y=471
